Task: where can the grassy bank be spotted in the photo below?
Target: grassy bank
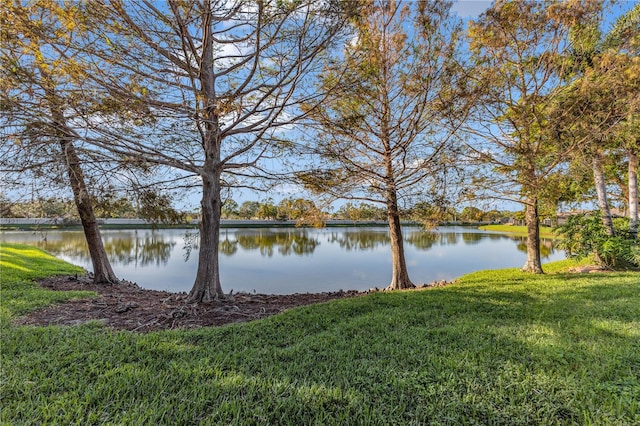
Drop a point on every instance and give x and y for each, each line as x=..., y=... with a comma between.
x=20, y=265
x=545, y=231
x=498, y=347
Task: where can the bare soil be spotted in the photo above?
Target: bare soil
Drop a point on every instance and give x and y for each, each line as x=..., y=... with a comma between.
x=127, y=306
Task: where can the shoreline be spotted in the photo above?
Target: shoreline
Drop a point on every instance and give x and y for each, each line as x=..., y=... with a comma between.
x=34, y=224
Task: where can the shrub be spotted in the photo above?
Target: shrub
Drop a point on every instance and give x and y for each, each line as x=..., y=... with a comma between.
x=584, y=235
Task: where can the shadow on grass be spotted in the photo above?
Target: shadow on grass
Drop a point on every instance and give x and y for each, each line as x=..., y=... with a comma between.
x=458, y=355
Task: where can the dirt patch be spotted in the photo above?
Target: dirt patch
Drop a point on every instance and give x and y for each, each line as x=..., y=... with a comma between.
x=589, y=269
x=129, y=307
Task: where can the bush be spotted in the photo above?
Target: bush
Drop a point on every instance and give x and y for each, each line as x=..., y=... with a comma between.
x=584, y=235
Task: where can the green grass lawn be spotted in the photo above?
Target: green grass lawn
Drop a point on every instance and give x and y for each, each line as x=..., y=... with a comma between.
x=20, y=265
x=497, y=347
x=545, y=231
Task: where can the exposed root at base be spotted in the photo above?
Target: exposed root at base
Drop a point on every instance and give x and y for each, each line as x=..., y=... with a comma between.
x=434, y=284
x=129, y=307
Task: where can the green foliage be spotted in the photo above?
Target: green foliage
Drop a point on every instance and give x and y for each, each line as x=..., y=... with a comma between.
x=430, y=214
x=472, y=214
x=305, y=212
x=109, y=205
x=267, y=210
x=360, y=211
x=380, y=134
x=625, y=31
x=153, y=206
x=248, y=209
x=42, y=207
x=158, y=208
x=6, y=207
x=584, y=235
x=498, y=347
x=230, y=209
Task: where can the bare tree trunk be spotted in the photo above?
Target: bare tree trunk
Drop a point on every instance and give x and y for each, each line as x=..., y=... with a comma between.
x=399, y=276
x=102, y=271
x=533, y=264
x=633, y=193
x=601, y=191
x=207, y=287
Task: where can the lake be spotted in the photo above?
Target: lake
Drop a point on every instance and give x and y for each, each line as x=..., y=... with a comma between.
x=291, y=260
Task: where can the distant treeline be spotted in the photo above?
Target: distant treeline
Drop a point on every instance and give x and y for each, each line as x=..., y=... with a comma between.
x=299, y=209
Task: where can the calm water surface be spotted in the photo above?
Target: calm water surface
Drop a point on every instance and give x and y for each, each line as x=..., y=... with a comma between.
x=290, y=260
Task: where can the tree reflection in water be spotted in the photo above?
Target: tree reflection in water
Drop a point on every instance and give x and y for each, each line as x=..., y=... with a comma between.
x=154, y=248
x=424, y=240
x=122, y=248
x=547, y=246
x=287, y=242
x=228, y=247
x=191, y=242
x=360, y=240
x=473, y=239
x=266, y=241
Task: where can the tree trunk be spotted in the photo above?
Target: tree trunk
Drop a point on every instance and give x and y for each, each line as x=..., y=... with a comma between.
x=633, y=193
x=102, y=271
x=533, y=264
x=207, y=287
x=601, y=191
x=399, y=276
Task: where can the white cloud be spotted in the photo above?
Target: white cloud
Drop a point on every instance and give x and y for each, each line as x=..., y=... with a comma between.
x=289, y=189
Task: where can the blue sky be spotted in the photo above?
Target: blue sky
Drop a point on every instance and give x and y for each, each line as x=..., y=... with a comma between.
x=470, y=8
x=466, y=9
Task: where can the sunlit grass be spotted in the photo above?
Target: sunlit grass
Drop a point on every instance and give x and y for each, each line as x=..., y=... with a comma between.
x=545, y=231
x=497, y=347
x=20, y=266
x=25, y=263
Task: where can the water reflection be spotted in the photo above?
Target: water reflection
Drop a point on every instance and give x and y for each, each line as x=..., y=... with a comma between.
x=472, y=238
x=287, y=242
x=426, y=240
x=360, y=240
x=156, y=247
x=291, y=260
x=191, y=241
x=125, y=248
x=546, y=246
x=228, y=247
x=267, y=242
